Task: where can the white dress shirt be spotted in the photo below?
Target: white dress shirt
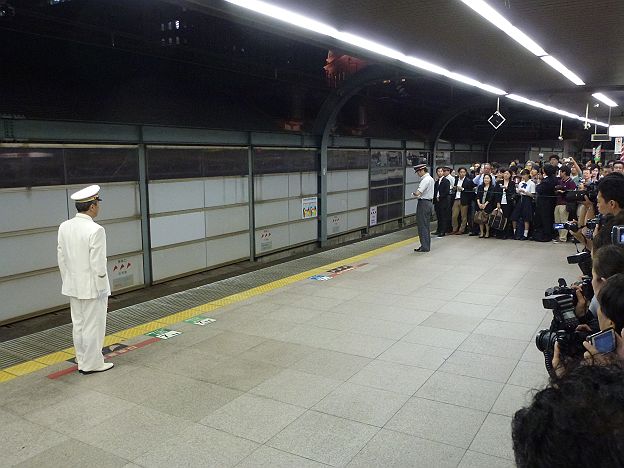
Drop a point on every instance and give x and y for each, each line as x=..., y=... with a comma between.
x=426, y=187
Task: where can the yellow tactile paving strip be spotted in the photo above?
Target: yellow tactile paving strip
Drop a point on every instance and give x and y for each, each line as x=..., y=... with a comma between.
x=54, y=358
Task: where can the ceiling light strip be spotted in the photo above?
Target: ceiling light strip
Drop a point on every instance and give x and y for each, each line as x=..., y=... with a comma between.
x=371, y=46
x=602, y=98
x=502, y=23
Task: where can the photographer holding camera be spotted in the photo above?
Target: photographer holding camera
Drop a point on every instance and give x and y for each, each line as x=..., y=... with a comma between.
x=566, y=184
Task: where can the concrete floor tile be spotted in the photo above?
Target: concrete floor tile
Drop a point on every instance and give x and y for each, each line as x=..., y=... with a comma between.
x=494, y=437
x=240, y=374
x=363, y=404
x=393, y=377
x=74, y=454
x=452, y=322
x=191, y=399
x=278, y=353
x=252, y=417
x=491, y=368
x=77, y=414
x=324, y=438
x=493, y=346
x=310, y=335
x=514, y=331
x=532, y=354
x=392, y=449
x=296, y=388
x=526, y=316
x=479, y=460
x=411, y=354
x=187, y=362
x=27, y=399
x=319, y=303
x=529, y=374
x=490, y=300
x=465, y=309
x=198, y=445
x=229, y=343
x=393, y=313
x=511, y=399
x=21, y=439
x=360, y=345
x=424, y=301
x=294, y=314
x=331, y=364
x=461, y=390
x=437, y=421
x=133, y=432
x=435, y=337
x=268, y=457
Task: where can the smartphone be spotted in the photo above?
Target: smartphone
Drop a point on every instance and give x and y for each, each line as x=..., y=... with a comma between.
x=604, y=341
x=558, y=226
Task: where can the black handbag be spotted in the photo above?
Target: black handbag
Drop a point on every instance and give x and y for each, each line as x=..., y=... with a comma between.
x=497, y=221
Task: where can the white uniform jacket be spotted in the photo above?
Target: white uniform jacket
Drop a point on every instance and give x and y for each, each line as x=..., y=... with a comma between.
x=81, y=256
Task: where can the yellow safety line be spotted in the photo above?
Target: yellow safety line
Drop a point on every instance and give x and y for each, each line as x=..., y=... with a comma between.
x=50, y=359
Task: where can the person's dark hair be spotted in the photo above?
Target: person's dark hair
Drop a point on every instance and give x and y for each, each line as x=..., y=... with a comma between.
x=491, y=179
x=603, y=238
x=462, y=167
x=611, y=187
x=619, y=163
x=81, y=207
x=608, y=261
x=525, y=172
x=555, y=156
x=611, y=301
x=565, y=169
x=549, y=170
x=578, y=420
x=610, y=162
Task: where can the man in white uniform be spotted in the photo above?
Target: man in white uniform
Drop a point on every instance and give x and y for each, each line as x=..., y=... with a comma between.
x=424, y=194
x=81, y=256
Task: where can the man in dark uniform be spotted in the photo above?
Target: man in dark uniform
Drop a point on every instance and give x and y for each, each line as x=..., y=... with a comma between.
x=442, y=199
x=436, y=206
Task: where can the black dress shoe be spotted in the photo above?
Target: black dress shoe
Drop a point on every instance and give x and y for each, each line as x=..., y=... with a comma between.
x=441, y=235
x=472, y=234
x=419, y=249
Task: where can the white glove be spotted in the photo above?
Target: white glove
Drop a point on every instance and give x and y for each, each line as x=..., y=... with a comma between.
x=102, y=295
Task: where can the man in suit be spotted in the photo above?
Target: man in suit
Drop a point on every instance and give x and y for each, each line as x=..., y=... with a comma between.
x=436, y=206
x=463, y=194
x=441, y=199
x=81, y=254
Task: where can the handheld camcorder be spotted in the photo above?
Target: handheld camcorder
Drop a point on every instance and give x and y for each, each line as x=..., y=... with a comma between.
x=617, y=235
x=578, y=196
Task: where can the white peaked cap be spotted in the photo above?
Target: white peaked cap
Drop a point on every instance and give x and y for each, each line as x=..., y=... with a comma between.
x=86, y=194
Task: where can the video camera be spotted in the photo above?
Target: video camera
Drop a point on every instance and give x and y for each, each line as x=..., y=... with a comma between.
x=617, y=235
x=562, y=300
x=578, y=196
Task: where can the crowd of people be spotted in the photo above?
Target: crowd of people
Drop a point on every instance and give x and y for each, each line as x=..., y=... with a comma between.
x=522, y=202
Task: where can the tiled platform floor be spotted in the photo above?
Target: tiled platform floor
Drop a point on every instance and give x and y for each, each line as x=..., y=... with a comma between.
x=412, y=360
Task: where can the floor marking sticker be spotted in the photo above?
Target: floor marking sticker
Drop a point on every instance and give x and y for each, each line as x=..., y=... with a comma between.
x=164, y=333
x=199, y=320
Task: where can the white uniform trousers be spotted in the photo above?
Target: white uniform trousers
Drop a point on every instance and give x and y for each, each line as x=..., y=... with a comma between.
x=89, y=327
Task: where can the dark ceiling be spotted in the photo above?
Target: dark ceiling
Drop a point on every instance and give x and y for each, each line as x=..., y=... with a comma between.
x=585, y=35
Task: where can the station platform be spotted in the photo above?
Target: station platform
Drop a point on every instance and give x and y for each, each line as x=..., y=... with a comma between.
x=365, y=355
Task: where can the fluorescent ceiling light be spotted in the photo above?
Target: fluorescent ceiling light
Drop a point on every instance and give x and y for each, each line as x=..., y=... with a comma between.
x=285, y=15
x=616, y=131
x=602, y=98
x=548, y=108
x=371, y=46
x=561, y=68
x=504, y=25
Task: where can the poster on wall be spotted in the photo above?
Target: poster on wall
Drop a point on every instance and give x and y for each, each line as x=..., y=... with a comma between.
x=123, y=274
x=373, y=215
x=618, y=146
x=309, y=207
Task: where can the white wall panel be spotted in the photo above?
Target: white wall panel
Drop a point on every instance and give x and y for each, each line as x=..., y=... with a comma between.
x=409, y=189
x=225, y=220
x=357, y=219
x=357, y=199
x=303, y=232
x=125, y=272
x=336, y=223
x=222, y=191
x=28, y=209
x=309, y=183
x=294, y=185
x=27, y=295
x=176, y=196
x=337, y=202
x=167, y=230
x=269, y=187
x=178, y=260
x=21, y=254
x=118, y=200
x=358, y=179
x=227, y=249
x=271, y=238
x=410, y=207
x=123, y=237
x=271, y=213
x=337, y=181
